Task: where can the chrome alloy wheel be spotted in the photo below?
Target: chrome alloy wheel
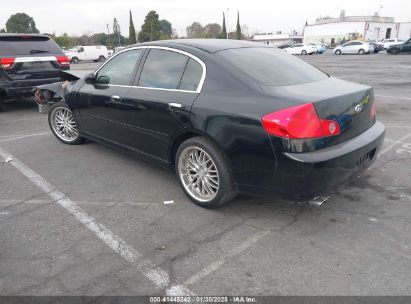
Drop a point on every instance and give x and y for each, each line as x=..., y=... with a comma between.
x=63, y=124
x=198, y=174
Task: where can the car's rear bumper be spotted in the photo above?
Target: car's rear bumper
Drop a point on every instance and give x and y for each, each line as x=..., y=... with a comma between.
x=302, y=176
x=26, y=87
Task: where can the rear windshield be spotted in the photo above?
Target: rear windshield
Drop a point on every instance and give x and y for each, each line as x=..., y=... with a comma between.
x=273, y=67
x=27, y=45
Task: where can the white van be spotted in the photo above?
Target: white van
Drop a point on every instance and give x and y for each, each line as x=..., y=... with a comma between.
x=89, y=52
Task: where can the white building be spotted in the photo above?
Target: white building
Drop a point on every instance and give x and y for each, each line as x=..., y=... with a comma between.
x=333, y=30
x=277, y=39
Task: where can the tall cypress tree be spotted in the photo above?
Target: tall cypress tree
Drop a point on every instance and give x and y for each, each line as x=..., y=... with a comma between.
x=132, y=31
x=238, y=32
x=223, y=34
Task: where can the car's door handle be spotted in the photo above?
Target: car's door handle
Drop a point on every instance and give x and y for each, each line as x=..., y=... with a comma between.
x=175, y=106
x=115, y=98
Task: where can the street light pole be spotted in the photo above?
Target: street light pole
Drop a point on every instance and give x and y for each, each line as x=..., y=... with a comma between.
x=226, y=22
x=108, y=36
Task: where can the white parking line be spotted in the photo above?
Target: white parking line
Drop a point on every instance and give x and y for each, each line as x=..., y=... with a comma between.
x=218, y=263
x=155, y=274
x=16, y=120
x=23, y=136
x=397, y=142
x=393, y=97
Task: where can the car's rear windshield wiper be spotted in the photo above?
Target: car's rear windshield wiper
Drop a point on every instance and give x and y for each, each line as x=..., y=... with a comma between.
x=37, y=51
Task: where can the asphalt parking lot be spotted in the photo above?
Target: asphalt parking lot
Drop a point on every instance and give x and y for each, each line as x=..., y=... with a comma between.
x=89, y=220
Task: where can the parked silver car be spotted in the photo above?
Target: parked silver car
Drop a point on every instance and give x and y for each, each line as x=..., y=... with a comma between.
x=354, y=47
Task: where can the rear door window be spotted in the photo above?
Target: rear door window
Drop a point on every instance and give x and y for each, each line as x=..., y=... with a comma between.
x=24, y=45
x=192, y=76
x=163, y=69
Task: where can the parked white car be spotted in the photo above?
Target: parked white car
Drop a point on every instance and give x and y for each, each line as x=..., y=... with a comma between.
x=301, y=49
x=89, y=52
x=388, y=42
x=354, y=47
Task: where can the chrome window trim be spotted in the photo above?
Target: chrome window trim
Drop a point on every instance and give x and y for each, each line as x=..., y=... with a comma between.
x=200, y=84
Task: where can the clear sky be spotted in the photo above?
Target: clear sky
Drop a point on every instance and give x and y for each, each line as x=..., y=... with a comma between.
x=92, y=16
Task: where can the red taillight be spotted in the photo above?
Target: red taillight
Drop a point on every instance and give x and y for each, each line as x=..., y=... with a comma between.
x=63, y=60
x=7, y=63
x=299, y=122
x=373, y=111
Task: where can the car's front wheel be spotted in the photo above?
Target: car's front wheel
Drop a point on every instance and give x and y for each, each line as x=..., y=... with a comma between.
x=63, y=124
x=74, y=60
x=304, y=52
x=338, y=52
x=101, y=58
x=204, y=173
x=361, y=52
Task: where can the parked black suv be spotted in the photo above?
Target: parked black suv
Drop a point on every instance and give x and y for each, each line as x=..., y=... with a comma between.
x=400, y=48
x=27, y=61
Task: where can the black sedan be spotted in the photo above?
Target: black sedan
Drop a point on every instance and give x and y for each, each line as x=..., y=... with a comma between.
x=229, y=116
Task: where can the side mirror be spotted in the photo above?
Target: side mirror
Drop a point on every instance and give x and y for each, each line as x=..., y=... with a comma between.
x=90, y=78
x=103, y=80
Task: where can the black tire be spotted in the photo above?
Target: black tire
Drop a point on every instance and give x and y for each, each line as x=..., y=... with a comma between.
x=304, y=52
x=74, y=60
x=59, y=105
x=101, y=58
x=361, y=52
x=226, y=190
x=338, y=52
x=395, y=51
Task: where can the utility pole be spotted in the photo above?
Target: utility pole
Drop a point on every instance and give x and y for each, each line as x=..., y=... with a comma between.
x=108, y=36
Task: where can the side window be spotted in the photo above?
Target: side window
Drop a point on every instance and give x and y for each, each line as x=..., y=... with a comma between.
x=357, y=43
x=119, y=70
x=163, y=69
x=192, y=76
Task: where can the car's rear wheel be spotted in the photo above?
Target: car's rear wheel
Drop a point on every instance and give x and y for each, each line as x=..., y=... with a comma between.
x=204, y=173
x=395, y=51
x=304, y=52
x=101, y=58
x=361, y=52
x=63, y=124
x=74, y=60
x=338, y=52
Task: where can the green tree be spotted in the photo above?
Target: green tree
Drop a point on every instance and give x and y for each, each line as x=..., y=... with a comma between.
x=151, y=28
x=64, y=41
x=132, y=31
x=2, y=30
x=223, y=34
x=117, y=32
x=238, y=35
x=21, y=23
x=212, y=30
x=165, y=28
x=109, y=41
x=195, y=30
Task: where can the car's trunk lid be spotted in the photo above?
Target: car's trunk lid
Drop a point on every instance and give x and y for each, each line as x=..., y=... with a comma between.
x=348, y=103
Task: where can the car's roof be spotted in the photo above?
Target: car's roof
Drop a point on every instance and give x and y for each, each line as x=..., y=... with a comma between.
x=207, y=45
